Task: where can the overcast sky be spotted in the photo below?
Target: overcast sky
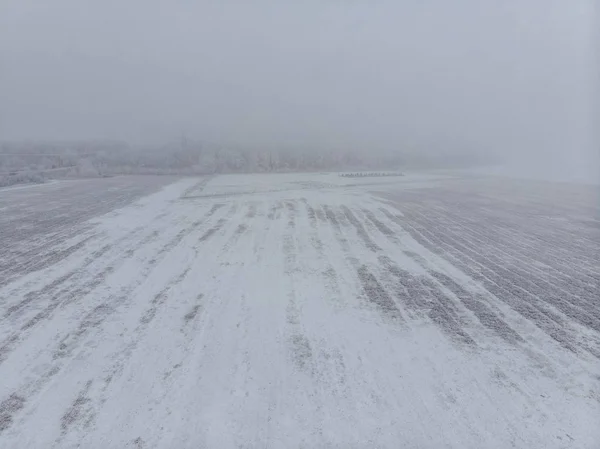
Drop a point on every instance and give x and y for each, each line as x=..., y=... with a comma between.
x=512, y=76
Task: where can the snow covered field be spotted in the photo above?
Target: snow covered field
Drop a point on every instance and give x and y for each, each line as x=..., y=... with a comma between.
x=301, y=310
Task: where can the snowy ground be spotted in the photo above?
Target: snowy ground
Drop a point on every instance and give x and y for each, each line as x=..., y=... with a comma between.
x=288, y=311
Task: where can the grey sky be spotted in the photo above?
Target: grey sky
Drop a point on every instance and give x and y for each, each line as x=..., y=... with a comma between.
x=512, y=76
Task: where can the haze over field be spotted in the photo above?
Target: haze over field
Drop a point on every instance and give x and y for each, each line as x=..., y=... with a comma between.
x=513, y=80
x=351, y=231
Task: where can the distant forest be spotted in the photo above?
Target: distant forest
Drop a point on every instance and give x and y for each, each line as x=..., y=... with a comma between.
x=22, y=162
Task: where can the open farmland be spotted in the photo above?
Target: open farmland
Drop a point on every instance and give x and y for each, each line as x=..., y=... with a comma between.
x=34, y=219
x=301, y=310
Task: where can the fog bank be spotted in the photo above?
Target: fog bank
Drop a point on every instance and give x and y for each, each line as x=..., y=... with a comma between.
x=514, y=79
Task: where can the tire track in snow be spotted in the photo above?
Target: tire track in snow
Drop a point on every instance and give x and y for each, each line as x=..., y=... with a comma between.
x=477, y=306
x=95, y=318
x=80, y=412
x=251, y=211
x=191, y=315
x=321, y=215
x=41, y=255
x=60, y=298
x=330, y=215
x=161, y=297
x=547, y=321
x=445, y=314
x=383, y=228
x=408, y=289
x=338, y=222
x=310, y=356
x=159, y=300
x=471, y=257
x=300, y=347
x=588, y=318
x=207, y=235
x=191, y=327
x=53, y=285
x=327, y=273
x=314, y=234
x=310, y=211
x=93, y=258
x=37, y=262
x=275, y=211
x=8, y=408
x=373, y=290
x=377, y=294
x=55, y=213
x=526, y=253
x=101, y=312
x=360, y=229
x=577, y=290
x=422, y=295
x=94, y=401
x=241, y=228
x=196, y=189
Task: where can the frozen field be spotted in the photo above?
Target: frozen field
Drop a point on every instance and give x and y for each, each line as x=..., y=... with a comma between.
x=34, y=218
x=300, y=311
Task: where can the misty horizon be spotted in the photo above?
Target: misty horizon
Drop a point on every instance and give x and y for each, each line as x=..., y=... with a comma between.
x=284, y=224
x=514, y=79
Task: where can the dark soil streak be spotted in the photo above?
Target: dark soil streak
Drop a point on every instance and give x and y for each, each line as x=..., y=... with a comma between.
x=536, y=253
x=194, y=311
x=92, y=320
x=38, y=262
x=251, y=211
x=173, y=243
x=409, y=289
x=321, y=215
x=312, y=216
x=383, y=228
x=275, y=211
x=49, y=288
x=210, y=232
x=291, y=207
x=360, y=229
x=213, y=209
x=8, y=408
x=550, y=323
x=483, y=313
x=422, y=296
x=31, y=296
x=8, y=346
x=441, y=317
x=589, y=318
x=314, y=237
x=161, y=297
x=196, y=189
x=65, y=297
x=331, y=217
x=302, y=353
x=78, y=410
x=377, y=294
x=138, y=443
